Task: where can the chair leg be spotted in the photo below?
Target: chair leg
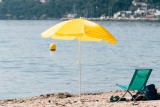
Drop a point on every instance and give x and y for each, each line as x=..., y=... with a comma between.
x=122, y=96
x=132, y=97
x=145, y=95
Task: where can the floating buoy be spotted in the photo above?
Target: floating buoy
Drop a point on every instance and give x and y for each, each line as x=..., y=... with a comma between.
x=52, y=47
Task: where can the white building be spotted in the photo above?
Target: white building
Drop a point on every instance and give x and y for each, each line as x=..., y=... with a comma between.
x=139, y=11
x=71, y=15
x=123, y=14
x=139, y=3
x=43, y=1
x=157, y=14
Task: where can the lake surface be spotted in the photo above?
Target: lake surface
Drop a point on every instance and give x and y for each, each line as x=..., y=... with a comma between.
x=28, y=68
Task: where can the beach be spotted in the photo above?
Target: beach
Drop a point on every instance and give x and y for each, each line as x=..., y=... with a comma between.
x=68, y=100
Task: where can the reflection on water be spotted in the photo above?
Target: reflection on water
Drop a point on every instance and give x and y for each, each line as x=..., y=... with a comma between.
x=28, y=67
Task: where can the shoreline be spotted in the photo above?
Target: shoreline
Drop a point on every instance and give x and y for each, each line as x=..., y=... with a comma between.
x=99, y=19
x=116, y=19
x=101, y=99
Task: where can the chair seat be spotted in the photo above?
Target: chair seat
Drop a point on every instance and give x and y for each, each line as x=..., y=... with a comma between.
x=124, y=87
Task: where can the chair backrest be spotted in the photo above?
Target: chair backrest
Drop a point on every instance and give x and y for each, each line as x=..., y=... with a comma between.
x=139, y=79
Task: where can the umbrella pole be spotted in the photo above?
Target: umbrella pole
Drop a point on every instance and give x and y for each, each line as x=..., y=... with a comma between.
x=79, y=64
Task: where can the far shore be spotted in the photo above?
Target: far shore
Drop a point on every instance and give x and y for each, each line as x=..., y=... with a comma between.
x=117, y=19
x=99, y=19
x=68, y=100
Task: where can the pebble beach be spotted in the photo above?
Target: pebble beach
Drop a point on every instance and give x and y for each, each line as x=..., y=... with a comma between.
x=68, y=100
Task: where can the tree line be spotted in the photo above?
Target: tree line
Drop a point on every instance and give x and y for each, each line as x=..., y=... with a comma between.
x=34, y=9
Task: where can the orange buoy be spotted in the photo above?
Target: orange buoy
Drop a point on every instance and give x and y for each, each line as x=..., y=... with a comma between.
x=52, y=47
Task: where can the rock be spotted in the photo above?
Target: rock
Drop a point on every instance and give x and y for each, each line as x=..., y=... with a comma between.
x=64, y=95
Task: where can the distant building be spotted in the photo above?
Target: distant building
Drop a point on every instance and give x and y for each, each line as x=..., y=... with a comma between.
x=103, y=17
x=157, y=14
x=123, y=14
x=70, y=16
x=138, y=3
x=142, y=9
x=140, y=13
x=43, y=1
x=141, y=5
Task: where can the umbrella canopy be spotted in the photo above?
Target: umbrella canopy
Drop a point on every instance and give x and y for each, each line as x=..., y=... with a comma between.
x=82, y=30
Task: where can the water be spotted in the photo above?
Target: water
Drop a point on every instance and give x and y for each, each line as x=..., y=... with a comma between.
x=28, y=68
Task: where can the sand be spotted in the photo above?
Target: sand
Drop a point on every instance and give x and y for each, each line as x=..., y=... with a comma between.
x=68, y=100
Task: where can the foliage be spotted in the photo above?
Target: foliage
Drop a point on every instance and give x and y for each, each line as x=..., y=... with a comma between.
x=34, y=9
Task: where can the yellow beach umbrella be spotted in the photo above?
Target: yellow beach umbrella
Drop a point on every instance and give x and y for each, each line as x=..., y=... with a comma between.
x=82, y=30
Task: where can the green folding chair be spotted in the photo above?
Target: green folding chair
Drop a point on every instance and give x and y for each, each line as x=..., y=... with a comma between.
x=138, y=82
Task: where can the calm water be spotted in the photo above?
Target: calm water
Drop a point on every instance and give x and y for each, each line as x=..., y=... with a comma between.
x=28, y=68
